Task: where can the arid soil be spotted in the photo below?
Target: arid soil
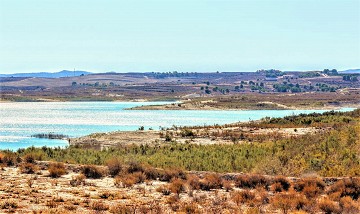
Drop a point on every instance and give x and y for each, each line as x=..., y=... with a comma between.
x=204, y=136
x=199, y=192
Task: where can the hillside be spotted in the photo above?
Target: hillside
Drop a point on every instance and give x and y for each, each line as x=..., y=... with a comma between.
x=63, y=73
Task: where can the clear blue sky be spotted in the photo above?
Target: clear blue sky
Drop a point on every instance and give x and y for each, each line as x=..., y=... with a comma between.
x=182, y=35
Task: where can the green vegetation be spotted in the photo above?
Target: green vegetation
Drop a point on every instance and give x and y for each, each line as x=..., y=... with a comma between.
x=351, y=78
x=309, y=74
x=326, y=119
x=333, y=152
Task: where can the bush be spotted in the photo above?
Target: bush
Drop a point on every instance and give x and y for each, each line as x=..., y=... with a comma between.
x=57, y=169
x=211, y=181
x=348, y=205
x=151, y=173
x=189, y=207
x=240, y=197
x=227, y=185
x=91, y=171
x=187, y=133
x=277, y=187
x=347, y=187
x=194, y=182
x=164, y=189
x=328, y=206
x=301, y=184
x=167, y=175
x=8, y=204
x=122, y=209
x=29, y=158
x=284, y=202
x=129, y=180
x=177, y=186
x=28, y=168
x=251, y=181
x=10, y=159
x=311, y=191
x=135, y=166
x=139, y=177
x=99, y=206
x=114, y=166
x=284, y=182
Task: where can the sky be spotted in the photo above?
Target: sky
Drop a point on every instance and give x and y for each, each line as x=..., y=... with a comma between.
x=178, y=35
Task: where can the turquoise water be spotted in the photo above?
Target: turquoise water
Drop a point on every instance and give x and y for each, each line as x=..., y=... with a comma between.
x=18, y=121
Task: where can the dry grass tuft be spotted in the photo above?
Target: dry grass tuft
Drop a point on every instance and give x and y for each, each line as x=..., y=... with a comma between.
x=57, y=169
x=114, y=166
x=91, y=171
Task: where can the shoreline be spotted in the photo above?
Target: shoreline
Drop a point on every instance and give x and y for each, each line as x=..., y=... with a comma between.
x=168, y=107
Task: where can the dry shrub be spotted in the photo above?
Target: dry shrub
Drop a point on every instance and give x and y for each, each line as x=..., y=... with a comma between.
x=114, y=166
x=253, y=210
x=139, y=177
x=173, y=201
x=151, y=173
x=70, y=207
x=311, y=191
x=283, y=202
x=77, y=180
x=2, y=155
x=193, y=182
x=99, y=206
x=28, y=168
x=29, y=158
x=264, y=197
x=122, y=209
x=328, y=206
x=57, y=169
x=143, y=209
x=107, y=195
x=310, y=187
x=30, y=181
x=164, y=189
x=117, y=181
x=284, y=182
x=251, y=181
x=51, y=203
x=8, y=204
x=134, y=166
x=349, y=206
x=189, y=208
x=277, y=187
x=336, y=196
x=91, y=171
x=300, y=202
x=211, y=181
x=129, y=180
x=240, y=197
x=10, y=159
x=167, y=175
x=227, y=185
x=177, y=186
x=347, y=187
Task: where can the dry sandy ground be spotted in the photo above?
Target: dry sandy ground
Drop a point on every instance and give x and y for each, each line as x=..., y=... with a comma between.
x=205, y=136
x=39, y=193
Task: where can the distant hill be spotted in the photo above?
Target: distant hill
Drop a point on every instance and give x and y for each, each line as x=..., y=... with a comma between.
x=351, y=71
x=64, y=73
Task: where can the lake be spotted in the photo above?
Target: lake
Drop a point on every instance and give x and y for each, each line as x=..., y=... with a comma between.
x=19, y=121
